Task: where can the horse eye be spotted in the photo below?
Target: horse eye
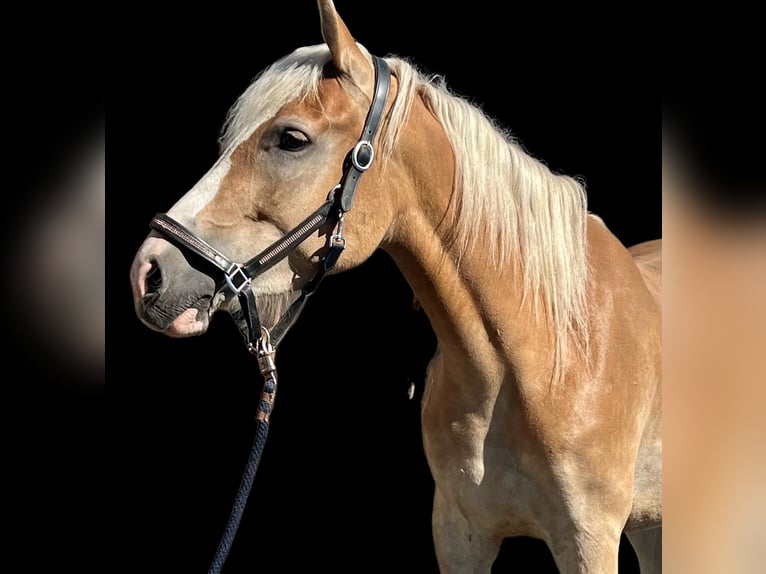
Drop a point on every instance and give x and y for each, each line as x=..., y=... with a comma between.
x=293, y=140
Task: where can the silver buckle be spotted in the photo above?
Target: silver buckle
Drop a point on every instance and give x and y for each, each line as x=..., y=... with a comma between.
x=237, y=272
x=355, y=155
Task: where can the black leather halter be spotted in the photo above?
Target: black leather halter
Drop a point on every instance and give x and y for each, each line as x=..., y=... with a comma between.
x=238, y=277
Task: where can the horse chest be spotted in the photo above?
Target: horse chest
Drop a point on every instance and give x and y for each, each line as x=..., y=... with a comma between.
x=481, y=455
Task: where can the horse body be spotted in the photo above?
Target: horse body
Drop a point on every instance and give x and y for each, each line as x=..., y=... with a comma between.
x=511, y=455
x=542, y=408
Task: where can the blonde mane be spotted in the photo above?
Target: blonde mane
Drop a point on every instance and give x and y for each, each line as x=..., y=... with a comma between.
x=508, y=200
x=504, y=198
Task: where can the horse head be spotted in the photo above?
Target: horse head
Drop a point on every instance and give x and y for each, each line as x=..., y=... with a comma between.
x=287, y=143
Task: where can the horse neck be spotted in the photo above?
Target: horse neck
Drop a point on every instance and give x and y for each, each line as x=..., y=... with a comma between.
x=475, y=308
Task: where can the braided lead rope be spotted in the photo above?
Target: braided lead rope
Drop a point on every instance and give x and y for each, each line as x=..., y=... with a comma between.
x=265, y=354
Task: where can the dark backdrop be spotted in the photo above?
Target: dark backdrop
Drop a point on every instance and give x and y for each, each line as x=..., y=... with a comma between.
x=343, y=484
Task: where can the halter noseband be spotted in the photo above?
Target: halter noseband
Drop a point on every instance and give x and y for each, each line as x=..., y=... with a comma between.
x=238, y=277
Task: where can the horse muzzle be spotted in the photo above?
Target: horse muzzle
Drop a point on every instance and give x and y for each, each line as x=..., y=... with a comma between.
x=169, y=294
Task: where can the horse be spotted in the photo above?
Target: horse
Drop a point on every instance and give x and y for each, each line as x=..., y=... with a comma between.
x=541, y=414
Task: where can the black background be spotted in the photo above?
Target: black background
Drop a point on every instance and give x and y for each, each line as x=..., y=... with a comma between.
x=344, y=484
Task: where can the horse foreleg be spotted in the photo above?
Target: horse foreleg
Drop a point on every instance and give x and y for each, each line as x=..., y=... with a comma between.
x=591, y=549
x=648, y=547
x=460, y=547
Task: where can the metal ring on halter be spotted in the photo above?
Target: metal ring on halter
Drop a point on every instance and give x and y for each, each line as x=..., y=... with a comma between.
x=355, y=155
x=232, y=273
x=338, y=241
x=337, y=237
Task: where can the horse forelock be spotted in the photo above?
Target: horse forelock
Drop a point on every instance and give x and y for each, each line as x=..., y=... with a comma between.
x=295, y=76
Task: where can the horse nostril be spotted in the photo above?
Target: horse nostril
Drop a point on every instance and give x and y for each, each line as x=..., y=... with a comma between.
x=153, y=279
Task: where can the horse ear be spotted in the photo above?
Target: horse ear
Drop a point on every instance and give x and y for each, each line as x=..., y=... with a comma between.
x=346, y=55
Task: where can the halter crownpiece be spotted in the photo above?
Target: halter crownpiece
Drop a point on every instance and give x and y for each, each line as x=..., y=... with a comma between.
x=238, y=277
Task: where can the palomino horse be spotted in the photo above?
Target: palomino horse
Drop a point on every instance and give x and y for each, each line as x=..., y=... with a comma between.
x=542, y=410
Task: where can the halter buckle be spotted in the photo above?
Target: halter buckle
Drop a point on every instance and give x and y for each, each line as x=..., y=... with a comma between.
x=237, y=279
x=362, y=166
